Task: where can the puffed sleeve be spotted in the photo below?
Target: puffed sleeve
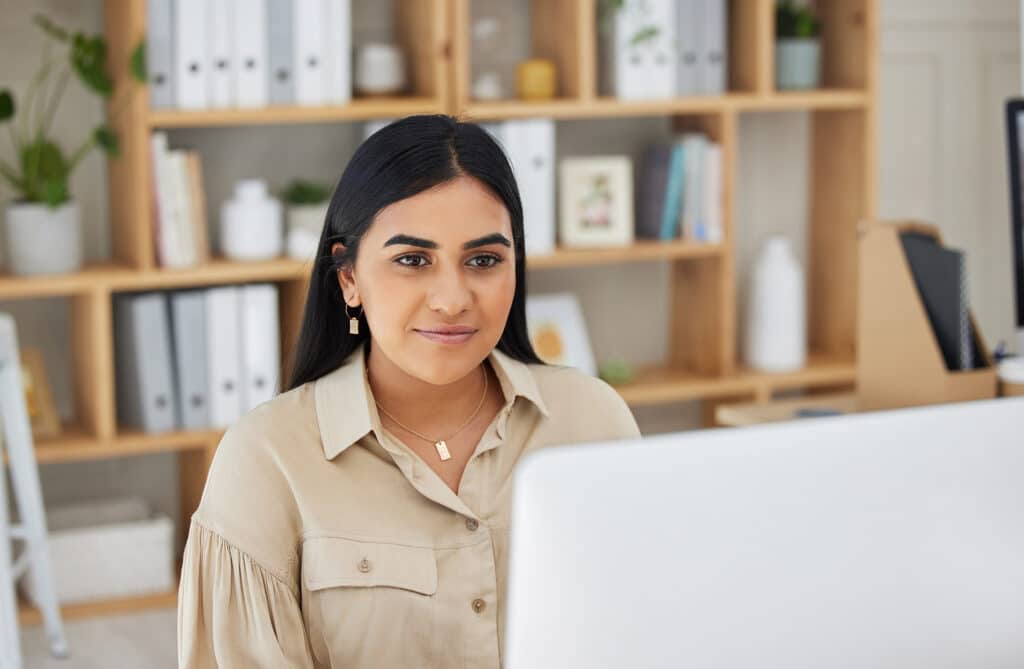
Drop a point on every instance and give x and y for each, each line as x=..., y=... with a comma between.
x=232, y=612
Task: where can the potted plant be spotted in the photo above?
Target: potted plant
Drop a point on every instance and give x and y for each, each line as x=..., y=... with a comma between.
x=797, y=47
x=42, y=222
x=307, y=210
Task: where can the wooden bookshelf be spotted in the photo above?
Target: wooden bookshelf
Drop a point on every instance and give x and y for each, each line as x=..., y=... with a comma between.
x=701, y=363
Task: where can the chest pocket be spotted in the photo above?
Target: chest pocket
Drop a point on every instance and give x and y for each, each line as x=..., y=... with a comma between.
x=370, y=603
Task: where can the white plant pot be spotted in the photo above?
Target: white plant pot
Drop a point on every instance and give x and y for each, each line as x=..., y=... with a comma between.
x=41, y=240
x=305, y=223
x=797, y=64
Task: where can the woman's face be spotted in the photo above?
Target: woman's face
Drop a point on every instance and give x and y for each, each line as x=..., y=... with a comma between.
x=414, y=273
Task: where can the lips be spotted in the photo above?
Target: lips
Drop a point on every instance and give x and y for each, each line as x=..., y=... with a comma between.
x=455, y=335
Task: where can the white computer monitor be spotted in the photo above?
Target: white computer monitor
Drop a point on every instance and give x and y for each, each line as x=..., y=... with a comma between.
x=884, y=540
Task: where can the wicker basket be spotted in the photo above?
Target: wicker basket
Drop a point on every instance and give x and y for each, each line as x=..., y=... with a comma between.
x=108, y=549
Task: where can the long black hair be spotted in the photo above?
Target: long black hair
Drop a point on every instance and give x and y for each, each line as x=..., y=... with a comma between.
x=402, y=159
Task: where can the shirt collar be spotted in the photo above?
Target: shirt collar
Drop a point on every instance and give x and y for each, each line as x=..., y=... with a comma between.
x=346, y=411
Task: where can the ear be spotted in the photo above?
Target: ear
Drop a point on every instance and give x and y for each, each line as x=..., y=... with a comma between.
x=346, y=279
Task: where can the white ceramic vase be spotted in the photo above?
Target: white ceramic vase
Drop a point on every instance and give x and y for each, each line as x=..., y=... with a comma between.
x=250, y=223
x=776, y=329
x=41, y=240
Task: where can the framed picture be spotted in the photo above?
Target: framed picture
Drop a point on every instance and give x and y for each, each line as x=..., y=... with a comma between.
x=557, y=331
x=596, y=201
x=42, y=412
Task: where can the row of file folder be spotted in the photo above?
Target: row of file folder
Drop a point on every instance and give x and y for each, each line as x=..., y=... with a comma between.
x=658, y=49
x=205, y=54
x=195, y=359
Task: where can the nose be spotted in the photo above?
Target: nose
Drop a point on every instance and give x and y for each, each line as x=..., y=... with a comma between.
x=449, y=294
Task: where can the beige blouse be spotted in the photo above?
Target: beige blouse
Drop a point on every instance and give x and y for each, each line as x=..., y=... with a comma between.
x=323, y=541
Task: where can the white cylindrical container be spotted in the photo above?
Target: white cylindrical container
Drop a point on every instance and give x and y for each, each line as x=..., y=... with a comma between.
x=41, y=240
x=379, y=69
x=250, y=223
x=776, y=330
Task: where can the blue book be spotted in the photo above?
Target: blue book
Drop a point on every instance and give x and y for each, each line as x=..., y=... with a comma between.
x=673, y=194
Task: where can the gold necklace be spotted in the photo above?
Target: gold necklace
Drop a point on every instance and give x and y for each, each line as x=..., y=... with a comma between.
x=439, y=444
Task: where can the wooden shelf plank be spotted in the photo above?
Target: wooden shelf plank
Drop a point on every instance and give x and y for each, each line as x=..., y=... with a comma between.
x=664, y=385
x=75, y=444
x=59, y=285
x=360, y=109
x=639, y=251
x=30, y=615
x=607, y=107
x=118, y=278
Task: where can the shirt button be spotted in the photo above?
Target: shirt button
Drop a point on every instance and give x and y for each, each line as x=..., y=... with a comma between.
x=365, y=566
x=472, y=524
x=479, y=605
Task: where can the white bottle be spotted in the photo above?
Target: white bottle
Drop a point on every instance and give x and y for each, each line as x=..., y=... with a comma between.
x=776, y=333
x=250, y=223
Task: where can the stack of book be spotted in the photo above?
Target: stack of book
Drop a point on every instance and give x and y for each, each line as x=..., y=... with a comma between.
x=180, y=230
x=248, y=53
x=680, y=195
x=195, y=359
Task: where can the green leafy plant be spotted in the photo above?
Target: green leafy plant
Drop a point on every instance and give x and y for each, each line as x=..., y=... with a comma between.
x=793, y=21
x=300, y=192
x=607, y=10
x=41, y=170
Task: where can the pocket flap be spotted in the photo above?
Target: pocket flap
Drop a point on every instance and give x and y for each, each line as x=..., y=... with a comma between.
x=329, y=562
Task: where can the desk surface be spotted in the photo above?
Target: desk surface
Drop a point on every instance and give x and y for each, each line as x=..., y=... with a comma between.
x=740, y=415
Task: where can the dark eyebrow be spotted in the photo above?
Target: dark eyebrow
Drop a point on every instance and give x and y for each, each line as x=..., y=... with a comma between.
x=495, y=238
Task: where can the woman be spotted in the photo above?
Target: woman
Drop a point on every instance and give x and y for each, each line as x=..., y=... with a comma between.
x=361, y=518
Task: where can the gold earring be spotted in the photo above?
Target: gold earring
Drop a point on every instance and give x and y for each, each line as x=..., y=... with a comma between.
x=353, y=321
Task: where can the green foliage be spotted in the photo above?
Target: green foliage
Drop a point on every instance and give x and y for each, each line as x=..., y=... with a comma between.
x=301, y=192
x=6, y=106
x=794, y=21
x=42, y=169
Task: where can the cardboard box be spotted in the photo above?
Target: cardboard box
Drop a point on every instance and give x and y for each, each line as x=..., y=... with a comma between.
x=899, y=362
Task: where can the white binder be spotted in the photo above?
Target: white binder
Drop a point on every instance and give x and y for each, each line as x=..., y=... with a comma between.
x=644, y=69
x=223, y=357
x=308, y=32
x=281, y=56
x=222, y=63
x=714, y=47
x=191, y=59
x=250, y=53
x=188, y=322
x=530, y=147
x=160, y=53
x=689, y=53
x=337, y=51
x=713, y=193
x=261, y=344
x=145, y=382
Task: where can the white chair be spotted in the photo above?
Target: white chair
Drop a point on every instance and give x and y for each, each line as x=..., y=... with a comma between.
x=35, y=557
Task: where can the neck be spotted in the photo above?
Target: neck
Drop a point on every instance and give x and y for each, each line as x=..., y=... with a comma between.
x=420, y=404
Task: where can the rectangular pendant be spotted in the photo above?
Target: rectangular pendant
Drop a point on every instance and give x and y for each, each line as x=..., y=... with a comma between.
x=353, y=326
x=442, y=450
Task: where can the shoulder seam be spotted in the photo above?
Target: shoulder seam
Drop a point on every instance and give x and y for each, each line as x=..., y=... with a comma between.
x=282, y=579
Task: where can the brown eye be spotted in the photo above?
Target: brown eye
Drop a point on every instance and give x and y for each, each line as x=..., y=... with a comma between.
x=494, y=261
x=414, y=256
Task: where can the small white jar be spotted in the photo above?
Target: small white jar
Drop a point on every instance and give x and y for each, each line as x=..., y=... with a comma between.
x=251, y=226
